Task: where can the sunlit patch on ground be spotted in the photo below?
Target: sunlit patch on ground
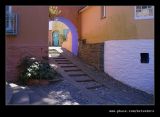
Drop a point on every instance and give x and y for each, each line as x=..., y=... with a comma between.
x=15, y=86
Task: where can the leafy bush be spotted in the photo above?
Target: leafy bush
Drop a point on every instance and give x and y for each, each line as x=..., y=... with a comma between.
x=63, y=37
x=30, y=68
x=54, y=11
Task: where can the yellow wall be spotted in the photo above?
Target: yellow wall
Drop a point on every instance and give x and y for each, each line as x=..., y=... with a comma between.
x=118, y=24
x=68, y=43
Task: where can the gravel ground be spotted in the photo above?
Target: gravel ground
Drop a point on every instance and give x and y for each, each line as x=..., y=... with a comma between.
x=65, y=93
x=59, y=93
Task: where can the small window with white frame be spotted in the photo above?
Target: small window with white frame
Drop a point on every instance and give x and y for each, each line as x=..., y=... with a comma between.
x=103, y=11
x=144, y=12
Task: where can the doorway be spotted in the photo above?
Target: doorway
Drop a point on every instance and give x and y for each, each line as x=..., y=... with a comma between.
x=55, y=39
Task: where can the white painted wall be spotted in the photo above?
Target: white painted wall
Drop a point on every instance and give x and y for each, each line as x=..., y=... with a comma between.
x=122, y=62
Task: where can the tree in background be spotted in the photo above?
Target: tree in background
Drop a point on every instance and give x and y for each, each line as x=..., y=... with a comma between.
x=53, y=11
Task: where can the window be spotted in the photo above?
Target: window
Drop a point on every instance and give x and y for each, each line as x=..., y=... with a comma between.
x=8, y=10
x=10, y=21
x=144, y=57
x=103, y=12
x=8, y=13
x=144, y=12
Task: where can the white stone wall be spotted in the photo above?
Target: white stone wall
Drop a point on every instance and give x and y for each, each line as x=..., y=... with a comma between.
x=122, y=61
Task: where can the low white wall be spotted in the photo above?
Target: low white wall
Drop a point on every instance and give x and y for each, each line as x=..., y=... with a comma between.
x=122, y=61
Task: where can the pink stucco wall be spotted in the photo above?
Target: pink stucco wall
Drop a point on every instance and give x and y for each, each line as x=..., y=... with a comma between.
x=32, y=37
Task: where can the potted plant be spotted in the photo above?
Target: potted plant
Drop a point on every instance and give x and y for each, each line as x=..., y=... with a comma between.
x=32, y=71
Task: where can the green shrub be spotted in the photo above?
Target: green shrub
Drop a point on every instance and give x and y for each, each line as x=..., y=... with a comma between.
x=30, y=68
x=63, y=37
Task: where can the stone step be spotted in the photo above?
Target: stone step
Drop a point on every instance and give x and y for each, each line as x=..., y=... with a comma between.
x=77, y=75
x=94, y=87
x=88, y=80
x=70, y=70
x=68, y=66
x=53, y=51
x=64, y=63
x=82, y=78
x=59, y=58
x=75, y=72
x=62, y=60
x=54, y=55
x=21, y=97
x=91, y=84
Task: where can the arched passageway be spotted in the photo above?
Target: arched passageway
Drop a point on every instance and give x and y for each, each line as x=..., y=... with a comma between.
x=74, y=33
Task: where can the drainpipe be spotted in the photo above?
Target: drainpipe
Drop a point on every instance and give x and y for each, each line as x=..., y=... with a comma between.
x=83, y=9
x=41, y=53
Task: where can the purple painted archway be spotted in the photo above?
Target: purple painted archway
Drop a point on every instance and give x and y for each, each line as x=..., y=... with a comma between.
x=73, y=30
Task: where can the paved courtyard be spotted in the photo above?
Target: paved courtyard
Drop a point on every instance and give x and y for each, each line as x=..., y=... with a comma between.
x=65, y=93
x=80, y=85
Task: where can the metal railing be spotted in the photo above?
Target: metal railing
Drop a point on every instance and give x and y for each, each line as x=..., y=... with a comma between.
x=11, y=24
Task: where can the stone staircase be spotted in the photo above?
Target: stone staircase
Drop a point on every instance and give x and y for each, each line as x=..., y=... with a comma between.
x=98, y=83
x=74, y=72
